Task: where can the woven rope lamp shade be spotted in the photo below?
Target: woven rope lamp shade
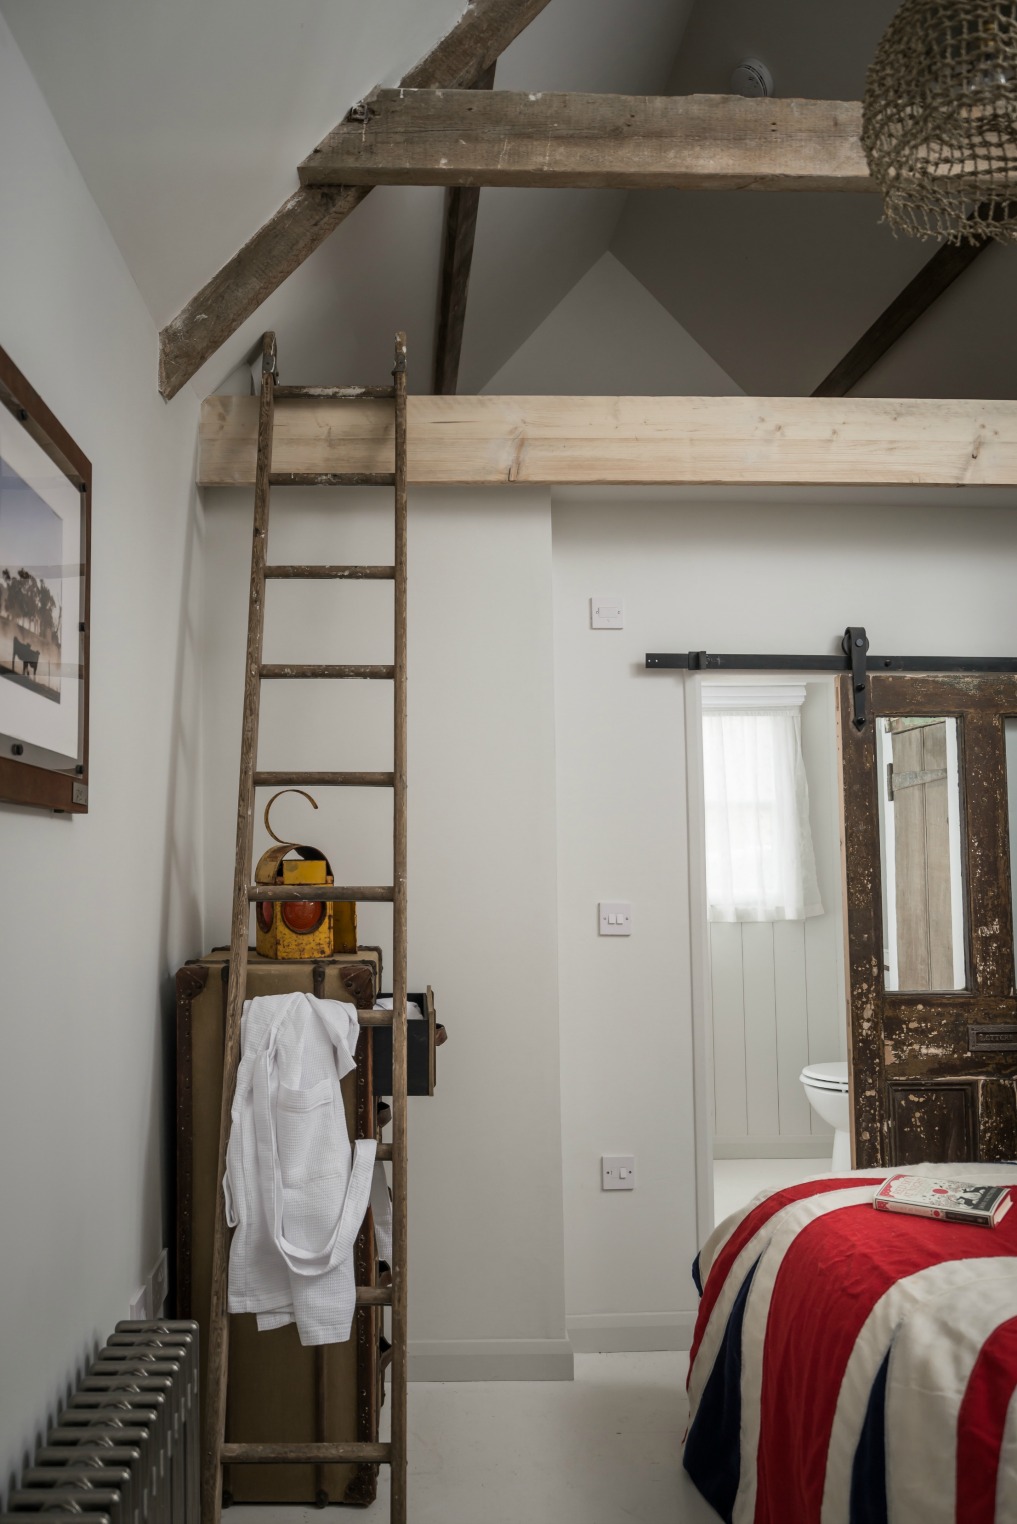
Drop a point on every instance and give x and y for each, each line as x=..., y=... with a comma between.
x=939, y=119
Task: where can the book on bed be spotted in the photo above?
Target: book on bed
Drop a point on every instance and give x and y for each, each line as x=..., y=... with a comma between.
x=950, y=1200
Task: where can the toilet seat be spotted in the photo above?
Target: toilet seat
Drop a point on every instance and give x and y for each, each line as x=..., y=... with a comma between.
x=826, y=1076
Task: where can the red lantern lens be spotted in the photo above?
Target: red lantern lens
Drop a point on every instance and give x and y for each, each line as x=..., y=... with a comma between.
x=303, y=915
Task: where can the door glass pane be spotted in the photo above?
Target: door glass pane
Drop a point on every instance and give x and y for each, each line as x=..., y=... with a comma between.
x=924, y=931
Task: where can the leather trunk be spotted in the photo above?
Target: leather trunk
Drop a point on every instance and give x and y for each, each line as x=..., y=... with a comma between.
x=278, y=1390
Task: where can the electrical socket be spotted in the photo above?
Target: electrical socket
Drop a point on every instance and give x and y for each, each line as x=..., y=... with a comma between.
x=158, y=1286
x=617, y=1172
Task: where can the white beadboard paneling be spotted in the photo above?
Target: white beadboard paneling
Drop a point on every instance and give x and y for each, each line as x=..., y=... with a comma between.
x=823, y=962
x=760, y=1027
x=732, y=1118
x=791, y=997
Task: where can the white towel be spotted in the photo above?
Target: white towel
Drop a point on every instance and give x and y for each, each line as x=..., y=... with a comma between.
x=295, y=1192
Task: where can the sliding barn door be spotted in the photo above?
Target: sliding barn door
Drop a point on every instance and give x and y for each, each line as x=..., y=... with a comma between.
x=932, y=1009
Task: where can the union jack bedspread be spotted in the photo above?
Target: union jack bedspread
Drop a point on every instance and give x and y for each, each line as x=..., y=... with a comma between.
x=856, y=1367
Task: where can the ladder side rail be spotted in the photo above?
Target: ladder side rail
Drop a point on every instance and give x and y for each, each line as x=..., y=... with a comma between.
x=398, y=1457
x=218, y=1351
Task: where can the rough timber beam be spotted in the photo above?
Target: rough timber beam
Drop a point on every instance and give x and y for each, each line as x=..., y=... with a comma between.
x=684, y=142
x=491, y=440
x=462, y=203
x=481, y=34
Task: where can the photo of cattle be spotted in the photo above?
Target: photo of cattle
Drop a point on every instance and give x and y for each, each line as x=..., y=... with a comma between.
x=31, y=587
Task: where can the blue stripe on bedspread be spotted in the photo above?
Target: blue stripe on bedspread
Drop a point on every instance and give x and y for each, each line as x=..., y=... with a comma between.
x=868, y=1472
x=712, y=1448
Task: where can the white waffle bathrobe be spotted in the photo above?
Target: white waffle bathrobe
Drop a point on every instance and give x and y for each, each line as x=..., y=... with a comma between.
x=295, y=1192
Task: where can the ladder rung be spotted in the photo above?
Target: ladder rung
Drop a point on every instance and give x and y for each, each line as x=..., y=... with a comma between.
x=374, y=1296
x=332, y=479
x=351, y=573
x=338, y=393
x=313, y=893
x=338, y=1453
x=278, y=670
x=324, y=780
x=374, y=1018
x=384, y=1153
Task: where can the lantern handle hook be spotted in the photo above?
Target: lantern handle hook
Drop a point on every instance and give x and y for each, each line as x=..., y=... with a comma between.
x=268, y=828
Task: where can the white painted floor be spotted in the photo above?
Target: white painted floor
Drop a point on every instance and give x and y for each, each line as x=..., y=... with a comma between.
x=604, y=1449
x=736, y=1181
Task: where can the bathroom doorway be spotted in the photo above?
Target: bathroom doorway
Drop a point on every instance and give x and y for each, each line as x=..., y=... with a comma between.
x=772, y=932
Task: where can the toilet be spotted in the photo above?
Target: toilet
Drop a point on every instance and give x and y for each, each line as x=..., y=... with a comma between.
x=826, y=1086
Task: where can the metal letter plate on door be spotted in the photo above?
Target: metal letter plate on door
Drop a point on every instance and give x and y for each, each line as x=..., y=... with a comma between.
x=1000, y=1037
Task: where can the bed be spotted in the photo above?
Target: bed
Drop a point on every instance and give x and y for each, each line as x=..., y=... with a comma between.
x=852, y=1366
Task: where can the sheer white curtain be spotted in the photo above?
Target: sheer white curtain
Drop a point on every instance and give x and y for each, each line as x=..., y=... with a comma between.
x=760, y=862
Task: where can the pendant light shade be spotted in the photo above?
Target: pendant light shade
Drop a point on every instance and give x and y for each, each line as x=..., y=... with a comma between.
x=939, y=120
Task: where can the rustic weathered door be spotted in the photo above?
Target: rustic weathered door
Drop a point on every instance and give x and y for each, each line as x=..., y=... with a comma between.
x=933, y=1013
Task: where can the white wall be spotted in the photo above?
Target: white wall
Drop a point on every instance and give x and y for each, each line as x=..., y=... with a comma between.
x=780, y=572
x=778, y=987
x=96, y=910
x=610, y=337
x=486, y=1239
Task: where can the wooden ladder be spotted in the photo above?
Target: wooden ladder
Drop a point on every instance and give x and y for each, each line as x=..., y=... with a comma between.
x=216, y=1452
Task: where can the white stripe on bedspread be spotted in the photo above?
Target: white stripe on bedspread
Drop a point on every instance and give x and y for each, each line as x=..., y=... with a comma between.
x=1006, y=1480
x=908, y=1314
x=927, y=1380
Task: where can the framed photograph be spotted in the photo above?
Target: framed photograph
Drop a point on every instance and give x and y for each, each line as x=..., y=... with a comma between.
x=45, y=518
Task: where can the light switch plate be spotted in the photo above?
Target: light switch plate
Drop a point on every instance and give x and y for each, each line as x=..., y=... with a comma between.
x=138, y=1311
x=607, y=614
x=615, y=918
x=618, y=1172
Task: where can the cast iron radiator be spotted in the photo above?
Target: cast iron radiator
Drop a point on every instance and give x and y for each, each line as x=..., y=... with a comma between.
x=125, y=1449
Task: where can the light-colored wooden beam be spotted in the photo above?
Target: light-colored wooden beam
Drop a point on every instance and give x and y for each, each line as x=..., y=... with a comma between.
x=478, y=38
x=684, y=142
x=491, y=441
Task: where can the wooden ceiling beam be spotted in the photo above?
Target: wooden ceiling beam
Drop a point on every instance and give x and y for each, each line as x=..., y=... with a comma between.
x=511, y=138
x=479, y=37
x=918, y=295
x=583, y=441
x=462, y=203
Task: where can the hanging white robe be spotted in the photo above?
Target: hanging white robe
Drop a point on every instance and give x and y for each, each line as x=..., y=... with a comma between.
x=295, y=1191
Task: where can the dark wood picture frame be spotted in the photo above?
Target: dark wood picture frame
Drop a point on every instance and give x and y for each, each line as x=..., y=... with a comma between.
x=64, y=791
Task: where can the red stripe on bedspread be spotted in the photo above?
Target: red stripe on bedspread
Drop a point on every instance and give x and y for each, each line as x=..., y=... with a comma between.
x=981, y=1422
x=830, y=1278
x=749, y=1227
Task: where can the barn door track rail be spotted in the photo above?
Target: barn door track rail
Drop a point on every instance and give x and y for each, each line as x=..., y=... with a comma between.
x=854, y=658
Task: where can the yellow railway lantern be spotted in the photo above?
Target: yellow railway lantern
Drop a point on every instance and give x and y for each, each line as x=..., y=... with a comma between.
x=300, y=928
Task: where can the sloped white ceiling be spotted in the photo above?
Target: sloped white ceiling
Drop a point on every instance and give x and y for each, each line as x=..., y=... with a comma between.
x=188, y=120
x=608, y=337
x=778, y=287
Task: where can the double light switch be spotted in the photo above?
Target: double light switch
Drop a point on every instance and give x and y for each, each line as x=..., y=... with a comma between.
x=615, y=918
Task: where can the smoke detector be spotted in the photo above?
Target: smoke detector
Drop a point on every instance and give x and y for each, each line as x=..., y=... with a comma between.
x=752, y=78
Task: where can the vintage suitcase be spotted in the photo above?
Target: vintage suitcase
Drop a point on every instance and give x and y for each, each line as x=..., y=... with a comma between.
x=278, y=1390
